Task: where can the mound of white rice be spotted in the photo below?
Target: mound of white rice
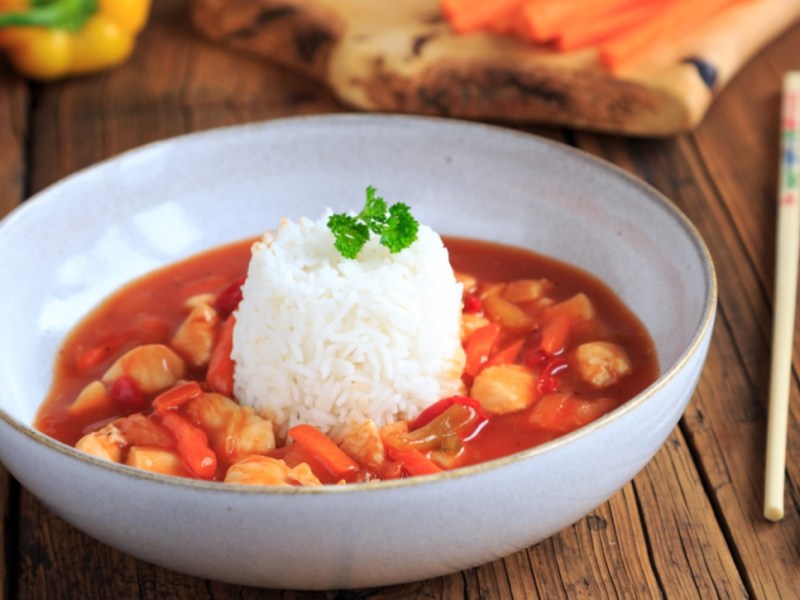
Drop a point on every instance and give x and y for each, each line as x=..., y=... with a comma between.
x=330, y=341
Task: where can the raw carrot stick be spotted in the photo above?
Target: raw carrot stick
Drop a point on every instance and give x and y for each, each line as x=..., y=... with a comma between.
x=580, y=34
x=546, y=20
x=676, y=19
x=322, y=448
x=467, y=16
x=220, y=368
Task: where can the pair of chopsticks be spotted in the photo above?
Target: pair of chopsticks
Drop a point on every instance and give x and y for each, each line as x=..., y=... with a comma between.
x=785, y=298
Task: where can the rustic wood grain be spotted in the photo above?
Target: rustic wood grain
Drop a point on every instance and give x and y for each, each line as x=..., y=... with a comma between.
x=404, y=57
x=5, y=513
x=688, y=526
x=728, y=190
x=14, y=101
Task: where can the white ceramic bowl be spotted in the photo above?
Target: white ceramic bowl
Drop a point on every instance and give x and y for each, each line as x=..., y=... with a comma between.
x=83, y=237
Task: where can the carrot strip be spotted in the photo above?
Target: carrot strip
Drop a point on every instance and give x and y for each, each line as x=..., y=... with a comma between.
x=176, y=396
x=322, y=448
x=478, y=348
x=507, y=355
x=675, y=20
x=192, y=445
x=546, y=20
x=414, y=462
x=584, y=33
x=555, y=333
x=467, y=16
x=220, y=368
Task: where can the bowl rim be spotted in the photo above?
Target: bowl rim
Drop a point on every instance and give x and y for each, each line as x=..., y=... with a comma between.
x=357, y=119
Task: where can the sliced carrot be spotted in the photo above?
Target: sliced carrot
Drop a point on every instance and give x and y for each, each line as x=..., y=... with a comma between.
x=479, y=347
x=192, y=445
x=546, y=20
x=507, y=355
x=579, y=34
x=673, y=22
x=220, y=368
x=467, y=16
x=555, y=333
x=414, y=462
x=176, y=396
x=328, y=454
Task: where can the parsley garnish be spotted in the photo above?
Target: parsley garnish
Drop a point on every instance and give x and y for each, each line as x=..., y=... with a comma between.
x=397, y=228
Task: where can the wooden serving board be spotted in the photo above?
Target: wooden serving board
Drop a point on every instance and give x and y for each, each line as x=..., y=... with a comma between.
x=401, y=56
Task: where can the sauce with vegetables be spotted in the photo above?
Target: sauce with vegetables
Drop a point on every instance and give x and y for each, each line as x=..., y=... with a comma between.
x=146, y=379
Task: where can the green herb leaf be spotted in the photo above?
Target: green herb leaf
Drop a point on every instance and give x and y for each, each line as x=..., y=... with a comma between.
x=401, y=228
x=374, y=213
x=349, y=233
x=396, y=227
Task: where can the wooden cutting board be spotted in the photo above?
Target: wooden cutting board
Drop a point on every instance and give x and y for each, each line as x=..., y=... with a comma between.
x=401, y=56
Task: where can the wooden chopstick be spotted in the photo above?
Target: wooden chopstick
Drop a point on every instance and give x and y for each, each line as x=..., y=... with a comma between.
x=786, y=259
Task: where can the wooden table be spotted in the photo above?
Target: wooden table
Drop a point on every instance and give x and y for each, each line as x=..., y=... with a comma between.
x=689, y=525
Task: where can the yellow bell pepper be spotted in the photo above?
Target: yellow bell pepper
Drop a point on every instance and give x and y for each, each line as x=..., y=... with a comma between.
x=50, y=39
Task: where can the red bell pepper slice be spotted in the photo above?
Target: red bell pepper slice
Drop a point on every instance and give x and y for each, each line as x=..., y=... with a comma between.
x=220, y=368
x=228, y=299
x=437, y=408
x=127, y=394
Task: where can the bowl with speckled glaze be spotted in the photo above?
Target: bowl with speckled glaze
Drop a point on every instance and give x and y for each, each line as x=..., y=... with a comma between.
x=83, y=237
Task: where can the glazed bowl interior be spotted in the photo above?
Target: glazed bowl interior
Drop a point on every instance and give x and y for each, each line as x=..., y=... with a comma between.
x=82, y=238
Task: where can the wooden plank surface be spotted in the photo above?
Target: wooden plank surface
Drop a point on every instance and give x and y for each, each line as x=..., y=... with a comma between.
x=13, y=130
x=688, y=526
x=404, y=57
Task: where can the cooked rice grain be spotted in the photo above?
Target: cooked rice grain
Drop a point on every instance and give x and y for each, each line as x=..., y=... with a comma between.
x=329, y=341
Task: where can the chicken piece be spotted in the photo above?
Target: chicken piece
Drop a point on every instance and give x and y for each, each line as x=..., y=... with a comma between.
x=527, y=290
x=579, y=307
x=194, y=340
x=106, y=443
x=509, y=315
x=139, y=430
x=91, y=399
x=234, y=431
x=601, y=364
x=395, y=428
x=264, y=470
x=153, y=368
x=490, y=289
x=156, y=460
x=363, y=443
x=505, y=388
